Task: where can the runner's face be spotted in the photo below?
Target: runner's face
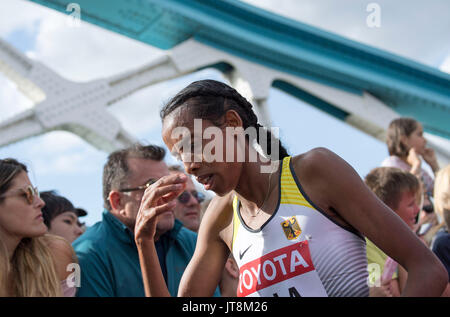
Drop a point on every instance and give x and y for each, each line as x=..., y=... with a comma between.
x=204, y=157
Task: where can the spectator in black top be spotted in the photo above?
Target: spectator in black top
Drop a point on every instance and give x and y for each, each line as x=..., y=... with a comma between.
x=61, y=217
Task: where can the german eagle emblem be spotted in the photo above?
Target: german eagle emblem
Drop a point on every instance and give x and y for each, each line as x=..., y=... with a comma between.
x=291, y=228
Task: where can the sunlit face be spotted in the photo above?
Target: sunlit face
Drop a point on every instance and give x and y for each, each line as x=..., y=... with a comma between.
x=188, y=213
x=18, y=218
x=141, y=171
x=408, y=208
x=219, y=176
x=66, y=225
x=416, y=140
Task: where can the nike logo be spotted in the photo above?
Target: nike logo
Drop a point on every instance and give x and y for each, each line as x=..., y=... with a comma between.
x=241, y=255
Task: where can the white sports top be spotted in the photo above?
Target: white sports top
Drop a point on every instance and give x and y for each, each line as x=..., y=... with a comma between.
x=298, y=251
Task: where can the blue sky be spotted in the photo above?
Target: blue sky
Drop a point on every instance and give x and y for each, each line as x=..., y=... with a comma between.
x=62, y=161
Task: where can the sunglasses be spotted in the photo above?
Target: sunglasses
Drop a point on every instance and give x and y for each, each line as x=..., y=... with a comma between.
x=183, y=198
x=186, y=196
x=29, y=192
x=143, y=187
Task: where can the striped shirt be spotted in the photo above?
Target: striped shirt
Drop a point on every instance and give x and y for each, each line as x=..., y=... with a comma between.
x=299, y=250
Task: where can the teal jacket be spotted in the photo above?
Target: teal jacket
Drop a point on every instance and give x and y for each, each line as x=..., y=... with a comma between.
x=109, y=259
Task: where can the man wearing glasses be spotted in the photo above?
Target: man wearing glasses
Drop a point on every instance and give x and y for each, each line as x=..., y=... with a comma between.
x=107, y=251
x=188, y=206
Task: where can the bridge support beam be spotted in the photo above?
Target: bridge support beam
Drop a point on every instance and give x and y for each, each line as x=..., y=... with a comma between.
x=81, y=108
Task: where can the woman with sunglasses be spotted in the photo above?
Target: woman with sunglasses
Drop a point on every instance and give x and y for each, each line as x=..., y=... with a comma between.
x=32, y=262
x=188, y=206
x=295, y=225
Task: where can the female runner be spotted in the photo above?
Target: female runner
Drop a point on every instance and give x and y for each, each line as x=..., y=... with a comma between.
x=297, y=230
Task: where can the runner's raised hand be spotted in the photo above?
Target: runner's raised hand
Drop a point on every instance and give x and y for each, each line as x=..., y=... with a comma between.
x=158, y=198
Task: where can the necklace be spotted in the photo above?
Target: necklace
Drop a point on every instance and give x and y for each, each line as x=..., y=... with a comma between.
x=267, y=196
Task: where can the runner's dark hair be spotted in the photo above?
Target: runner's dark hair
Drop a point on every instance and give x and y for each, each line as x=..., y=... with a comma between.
x=211, y=99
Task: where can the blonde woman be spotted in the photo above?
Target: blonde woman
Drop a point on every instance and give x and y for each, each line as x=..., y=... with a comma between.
x=441, y=241
x=442, y=196
x=32, y=262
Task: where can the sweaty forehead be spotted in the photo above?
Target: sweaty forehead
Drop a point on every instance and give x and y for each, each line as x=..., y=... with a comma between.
x=180, y=117
x=174, y=123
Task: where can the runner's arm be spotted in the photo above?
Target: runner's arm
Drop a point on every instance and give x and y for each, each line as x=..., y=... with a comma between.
x=204, y=271
x=158, y=198
x=344, y=190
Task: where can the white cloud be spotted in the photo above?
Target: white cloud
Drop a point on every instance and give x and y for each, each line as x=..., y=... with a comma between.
x=21, y=14
x=80, y=54
x=11, y=100
x=56, y=152
x=406, y=28
x=87, y=52
x=445, y=66
x=63, y=163
x=56, y=142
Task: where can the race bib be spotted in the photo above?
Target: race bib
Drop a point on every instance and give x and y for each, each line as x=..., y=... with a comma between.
x=286, y=272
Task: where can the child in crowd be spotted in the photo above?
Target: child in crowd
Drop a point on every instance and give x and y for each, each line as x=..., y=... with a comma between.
x=401, y=191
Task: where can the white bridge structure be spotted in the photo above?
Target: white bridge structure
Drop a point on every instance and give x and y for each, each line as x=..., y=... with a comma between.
x=365, y=88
